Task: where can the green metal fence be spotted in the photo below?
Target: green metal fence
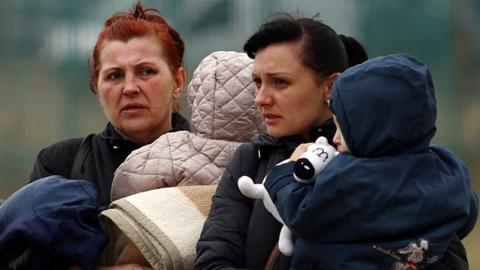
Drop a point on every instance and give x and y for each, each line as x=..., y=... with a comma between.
x=45, y=46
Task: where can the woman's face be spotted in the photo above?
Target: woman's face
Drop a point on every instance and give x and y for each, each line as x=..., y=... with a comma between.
x=290, y=95
x=136, y=88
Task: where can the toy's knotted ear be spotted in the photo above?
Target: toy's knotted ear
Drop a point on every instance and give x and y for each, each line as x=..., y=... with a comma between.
x=321, y=140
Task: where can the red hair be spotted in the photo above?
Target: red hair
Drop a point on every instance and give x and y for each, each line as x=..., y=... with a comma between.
x=138, y=22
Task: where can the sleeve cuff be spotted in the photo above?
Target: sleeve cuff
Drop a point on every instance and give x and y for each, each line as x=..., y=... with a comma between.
x=279, y=177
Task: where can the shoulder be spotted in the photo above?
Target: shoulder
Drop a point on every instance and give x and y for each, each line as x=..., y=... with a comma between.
x=245, y=153
x=247, y=148
x=62, y=148
x=56, y=159
x=449, y=164
x=446, y=155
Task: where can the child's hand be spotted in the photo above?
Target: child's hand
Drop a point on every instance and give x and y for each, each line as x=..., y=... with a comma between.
x=302, y=148
x=310, y=159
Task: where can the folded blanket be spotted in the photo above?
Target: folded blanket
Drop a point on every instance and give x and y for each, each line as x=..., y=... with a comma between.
x=161, y=226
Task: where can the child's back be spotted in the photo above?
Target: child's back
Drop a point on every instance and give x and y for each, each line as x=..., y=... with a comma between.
x=392, y=202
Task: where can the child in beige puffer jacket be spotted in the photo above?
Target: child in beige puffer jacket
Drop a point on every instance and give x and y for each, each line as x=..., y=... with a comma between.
x=221, y=97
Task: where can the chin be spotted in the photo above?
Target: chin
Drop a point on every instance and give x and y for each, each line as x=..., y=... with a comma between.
x=276, y=133
x=132, y=127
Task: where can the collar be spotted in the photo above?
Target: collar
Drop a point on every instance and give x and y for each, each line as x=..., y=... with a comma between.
x=326, y=129
x=116, y=140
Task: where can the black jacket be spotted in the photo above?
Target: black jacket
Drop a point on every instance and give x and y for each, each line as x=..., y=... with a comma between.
x=108, y=150
x=240, y=233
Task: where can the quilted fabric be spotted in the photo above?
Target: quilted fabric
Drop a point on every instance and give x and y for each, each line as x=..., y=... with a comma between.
x=221, y=96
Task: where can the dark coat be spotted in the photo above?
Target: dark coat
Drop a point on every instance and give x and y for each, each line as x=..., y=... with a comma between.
x=51, y=224
x=239, y=232
x=108, y=151
x=393, y=190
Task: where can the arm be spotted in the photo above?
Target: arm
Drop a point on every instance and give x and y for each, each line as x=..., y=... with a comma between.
x=222, y=241
x=456, y=256
x=294, y=201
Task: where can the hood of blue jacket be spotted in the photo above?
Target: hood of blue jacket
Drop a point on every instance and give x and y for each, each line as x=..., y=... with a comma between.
x=392, y=190
x=55, y=221
x=385, y=106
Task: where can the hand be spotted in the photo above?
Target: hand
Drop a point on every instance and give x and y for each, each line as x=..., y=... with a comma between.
x=302, y=148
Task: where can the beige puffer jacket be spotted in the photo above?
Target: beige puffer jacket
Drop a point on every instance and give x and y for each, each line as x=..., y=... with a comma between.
x=221, y=96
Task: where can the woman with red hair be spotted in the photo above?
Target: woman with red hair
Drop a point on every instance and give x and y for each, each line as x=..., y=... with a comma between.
x=137, y=74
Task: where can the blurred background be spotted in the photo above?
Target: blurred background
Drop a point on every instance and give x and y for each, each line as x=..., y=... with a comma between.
x=45, y=47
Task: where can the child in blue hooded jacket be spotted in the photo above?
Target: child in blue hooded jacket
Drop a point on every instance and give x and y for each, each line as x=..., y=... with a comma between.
x=390, y=199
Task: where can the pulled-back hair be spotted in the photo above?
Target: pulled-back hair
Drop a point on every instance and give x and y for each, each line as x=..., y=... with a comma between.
x=321, y=48
x=138, y=22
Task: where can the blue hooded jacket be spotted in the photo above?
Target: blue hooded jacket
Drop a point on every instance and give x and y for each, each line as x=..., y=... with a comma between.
x=394, y=200
x=51, y=223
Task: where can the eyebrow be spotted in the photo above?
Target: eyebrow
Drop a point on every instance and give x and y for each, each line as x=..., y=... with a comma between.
x=279, y=73
x=273, y=74
x=144, y=62
x=108, y=69
x=141, y=63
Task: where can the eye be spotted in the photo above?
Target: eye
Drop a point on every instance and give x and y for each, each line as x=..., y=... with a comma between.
x=114, y=75
x=147, y=71
x=280, y=83
x=257, y=82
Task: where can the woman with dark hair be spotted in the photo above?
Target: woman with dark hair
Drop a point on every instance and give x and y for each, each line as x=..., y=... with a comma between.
x=296, y=63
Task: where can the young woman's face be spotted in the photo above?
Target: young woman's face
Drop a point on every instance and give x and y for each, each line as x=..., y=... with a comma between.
x=291, y=96
x=137, y=89
x=338, y=139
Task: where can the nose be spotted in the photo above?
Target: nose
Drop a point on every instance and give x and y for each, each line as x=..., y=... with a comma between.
x=131, y=86
x=337, y=138
x=263, y=97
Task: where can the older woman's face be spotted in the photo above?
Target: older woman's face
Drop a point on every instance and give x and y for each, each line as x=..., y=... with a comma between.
x=136, y=88
x=290, y=95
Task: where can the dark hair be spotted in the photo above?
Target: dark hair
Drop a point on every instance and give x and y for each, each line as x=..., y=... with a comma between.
x=321, y=48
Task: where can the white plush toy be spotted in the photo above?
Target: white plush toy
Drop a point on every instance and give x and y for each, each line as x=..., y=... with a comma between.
x=314, y=160
x=306, y=168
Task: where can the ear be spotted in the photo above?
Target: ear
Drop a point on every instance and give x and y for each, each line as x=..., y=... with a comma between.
x=329, y=83
x=99, y=98
x=180, y=78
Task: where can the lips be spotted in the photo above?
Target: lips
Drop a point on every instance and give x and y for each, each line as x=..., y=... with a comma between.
x=131, y=107
x=271, y=118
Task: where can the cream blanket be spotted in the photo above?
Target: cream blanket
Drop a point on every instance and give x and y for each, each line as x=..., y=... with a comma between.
x=159, y=227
